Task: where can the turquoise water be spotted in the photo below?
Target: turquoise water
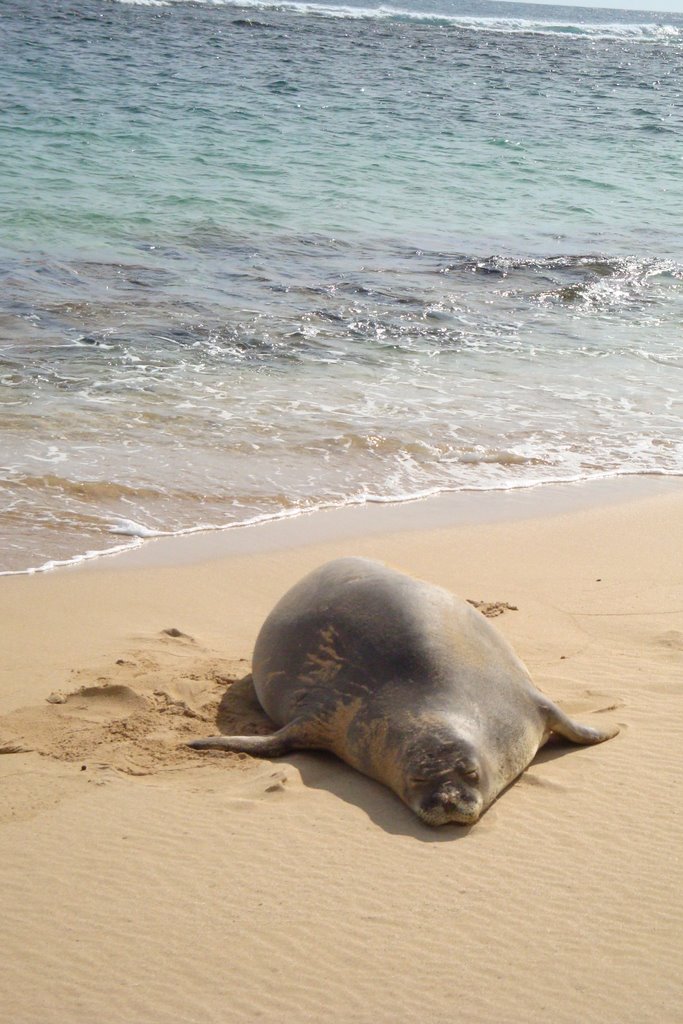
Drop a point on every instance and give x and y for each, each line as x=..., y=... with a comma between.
x=260, y=258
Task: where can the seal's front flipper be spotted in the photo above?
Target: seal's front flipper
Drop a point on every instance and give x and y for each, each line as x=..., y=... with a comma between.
x=561, y=724
x=275, y=745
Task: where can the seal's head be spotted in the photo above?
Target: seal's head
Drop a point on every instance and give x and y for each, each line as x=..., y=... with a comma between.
x=444, y=779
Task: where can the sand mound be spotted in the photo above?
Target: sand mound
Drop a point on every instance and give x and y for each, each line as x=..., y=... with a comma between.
x=137, y=715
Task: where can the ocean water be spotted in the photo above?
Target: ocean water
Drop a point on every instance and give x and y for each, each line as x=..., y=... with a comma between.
x=262, y=257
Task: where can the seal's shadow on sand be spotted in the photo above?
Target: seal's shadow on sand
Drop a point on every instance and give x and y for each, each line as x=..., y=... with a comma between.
x=239, y=713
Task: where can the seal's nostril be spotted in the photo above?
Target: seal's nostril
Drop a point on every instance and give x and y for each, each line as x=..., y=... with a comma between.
x=448, y=799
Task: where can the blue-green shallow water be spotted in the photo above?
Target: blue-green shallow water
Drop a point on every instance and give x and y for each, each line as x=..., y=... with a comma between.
x=263, y=258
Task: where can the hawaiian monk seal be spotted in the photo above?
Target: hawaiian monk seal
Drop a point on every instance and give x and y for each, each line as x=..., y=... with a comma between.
x=403, y=681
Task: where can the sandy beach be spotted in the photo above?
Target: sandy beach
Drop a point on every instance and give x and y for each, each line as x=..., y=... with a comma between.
x=145, y=882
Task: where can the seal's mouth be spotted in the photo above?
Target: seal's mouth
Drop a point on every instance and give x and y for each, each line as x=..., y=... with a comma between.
x=445, y=816
x=444, y=809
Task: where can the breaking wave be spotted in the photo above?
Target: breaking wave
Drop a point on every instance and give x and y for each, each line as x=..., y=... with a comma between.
x=636, y=31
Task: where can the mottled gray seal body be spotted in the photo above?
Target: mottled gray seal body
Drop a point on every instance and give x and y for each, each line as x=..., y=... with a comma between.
x=403, y=681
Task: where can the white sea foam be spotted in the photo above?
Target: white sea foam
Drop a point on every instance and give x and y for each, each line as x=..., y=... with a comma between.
x=129, y=528
x=61, y=563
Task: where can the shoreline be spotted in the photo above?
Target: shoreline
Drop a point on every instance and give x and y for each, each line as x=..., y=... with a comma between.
x=146, y=881
x=321, y=525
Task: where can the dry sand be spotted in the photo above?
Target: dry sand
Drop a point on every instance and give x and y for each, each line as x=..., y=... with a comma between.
x=145, y=883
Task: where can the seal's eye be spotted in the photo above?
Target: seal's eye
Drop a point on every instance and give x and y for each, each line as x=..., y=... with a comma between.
x=472, y=775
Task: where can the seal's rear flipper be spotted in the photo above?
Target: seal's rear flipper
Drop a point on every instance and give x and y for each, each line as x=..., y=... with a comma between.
x=275, y=745
x=561, y=724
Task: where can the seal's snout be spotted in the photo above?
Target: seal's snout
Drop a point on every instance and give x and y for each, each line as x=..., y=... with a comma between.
x=450, y=804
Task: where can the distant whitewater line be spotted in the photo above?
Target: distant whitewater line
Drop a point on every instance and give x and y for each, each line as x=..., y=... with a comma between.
x=646, y=31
